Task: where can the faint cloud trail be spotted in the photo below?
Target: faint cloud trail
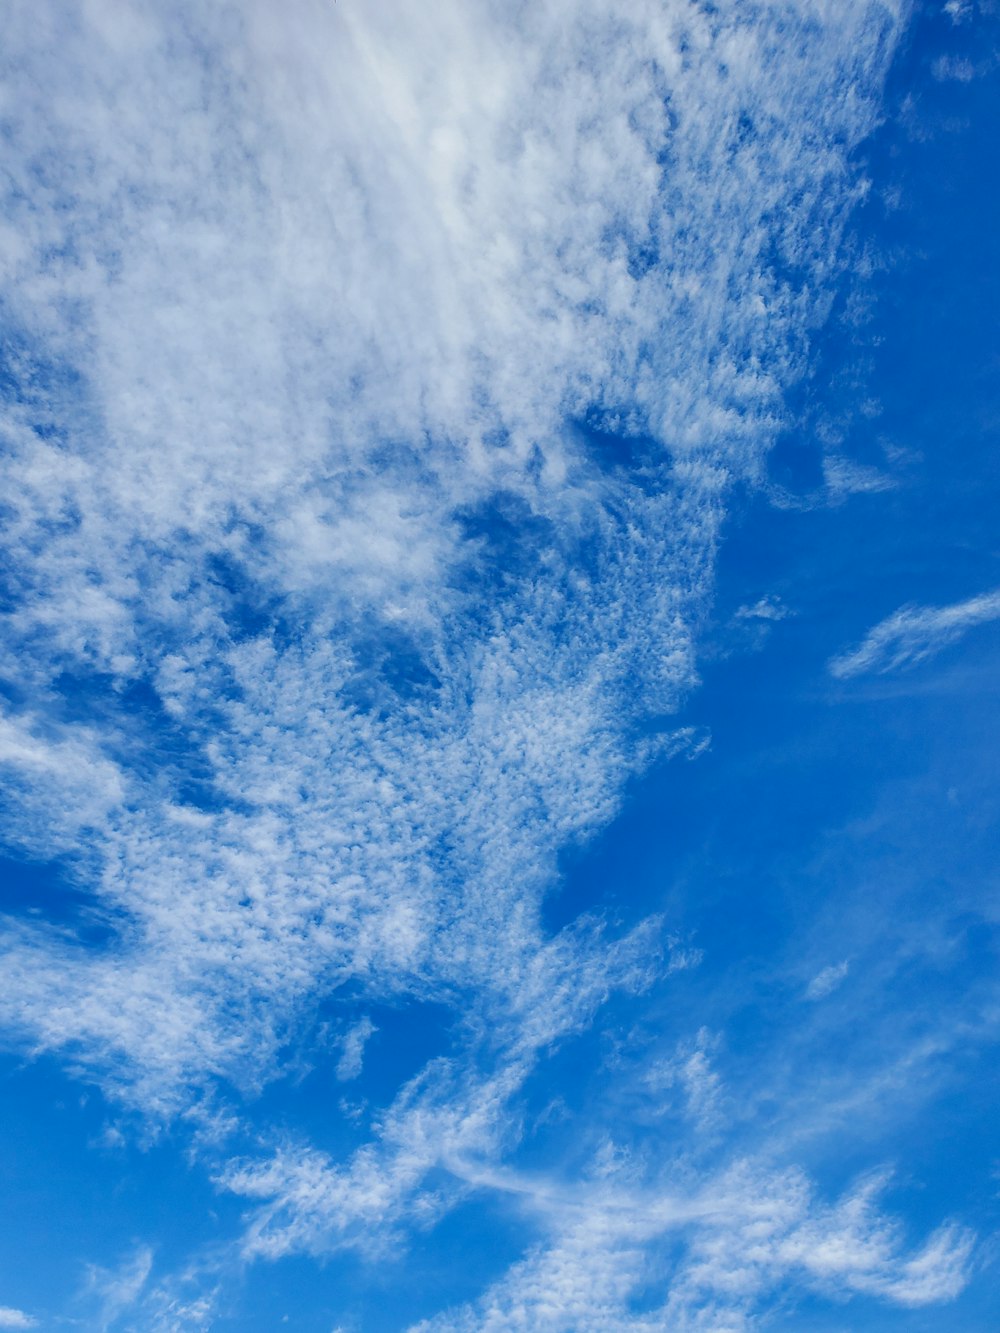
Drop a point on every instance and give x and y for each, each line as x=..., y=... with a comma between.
x=914, y=633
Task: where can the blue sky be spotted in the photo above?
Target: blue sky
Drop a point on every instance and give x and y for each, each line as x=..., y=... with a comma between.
x=501, y=614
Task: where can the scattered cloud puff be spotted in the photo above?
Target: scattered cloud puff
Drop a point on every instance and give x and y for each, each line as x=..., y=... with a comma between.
x=11, y=1318
x=130, y=1297
x=958, y=10
x=690, y=1071
x=914, y=633
x=751, y=625
x=823, y=983
x=954, y=67
x=769, y=608
x=844, y=477
x=114, y=1292
x=352, y=1050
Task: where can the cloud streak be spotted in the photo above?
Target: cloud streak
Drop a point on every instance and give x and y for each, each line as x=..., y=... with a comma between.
x=750, y=1235
x=827, y=980
x=914, y=633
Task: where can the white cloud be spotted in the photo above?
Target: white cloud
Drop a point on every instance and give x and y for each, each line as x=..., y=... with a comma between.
x=952, y=67
x=353, y=1048
x=914, y=633
x=115, y=1291
x=844, y=477
x=450, y=1118
x=727, y=1254
x=690, y=1070
x=11, y=1318
x=769, y=608
x=65, y=783
x=183, y=1302
x=826, y=981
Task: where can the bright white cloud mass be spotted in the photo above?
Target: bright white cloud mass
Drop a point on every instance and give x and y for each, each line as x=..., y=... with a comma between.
x=381, y=375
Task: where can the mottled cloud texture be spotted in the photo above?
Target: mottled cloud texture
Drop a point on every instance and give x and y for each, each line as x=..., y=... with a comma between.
x=381, y=376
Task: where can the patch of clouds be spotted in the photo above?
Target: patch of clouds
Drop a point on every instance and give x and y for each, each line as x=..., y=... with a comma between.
x=111, y=1139
x=827, y=981
x=65, y=783
x=728, y=1254
x=452, y=1117
x=844, y=477
x=113, y=1292
x=914, y=633
x=352, y=1049
x=681, y=954
x=769, y=608
x=183, y=1302
x=751, y=625
x=954, y=68
x=690, y=1071
x=13, y=1318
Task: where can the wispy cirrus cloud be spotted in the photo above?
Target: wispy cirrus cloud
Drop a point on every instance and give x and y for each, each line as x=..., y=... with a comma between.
x=747, y=1237
x=115, y=1292
x=689, y=1070
x=914, y=633
x=844, y=477
x=352, y=1050
x=827, y=980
